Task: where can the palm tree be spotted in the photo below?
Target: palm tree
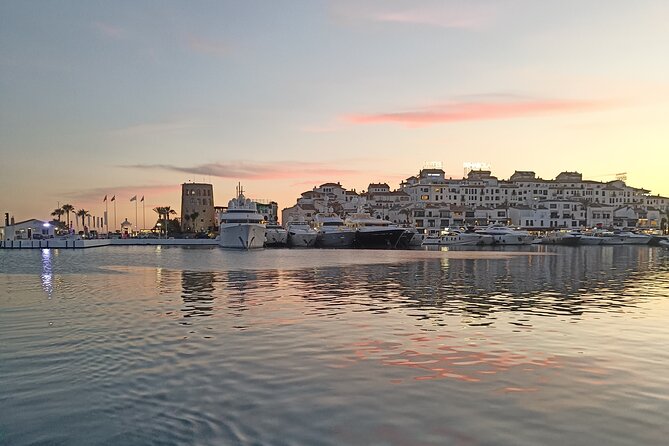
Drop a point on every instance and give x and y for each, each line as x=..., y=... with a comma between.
x=164, y=211
x=67, y=208
x=83, y=213
x=57, y=213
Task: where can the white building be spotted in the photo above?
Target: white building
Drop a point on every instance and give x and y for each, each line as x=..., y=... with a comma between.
x=32, y=229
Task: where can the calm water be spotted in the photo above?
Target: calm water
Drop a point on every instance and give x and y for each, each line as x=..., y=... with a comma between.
x=142, y=346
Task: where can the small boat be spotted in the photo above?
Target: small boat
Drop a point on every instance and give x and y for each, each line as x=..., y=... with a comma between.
x=664, y=243
x=301, y=235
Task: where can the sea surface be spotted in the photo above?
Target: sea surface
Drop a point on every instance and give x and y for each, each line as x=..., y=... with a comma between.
x=177, y=346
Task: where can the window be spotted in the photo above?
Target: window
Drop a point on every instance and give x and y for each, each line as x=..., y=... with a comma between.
x=424, y=197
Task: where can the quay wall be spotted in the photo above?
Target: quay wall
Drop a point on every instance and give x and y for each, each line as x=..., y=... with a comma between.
x=80, y=244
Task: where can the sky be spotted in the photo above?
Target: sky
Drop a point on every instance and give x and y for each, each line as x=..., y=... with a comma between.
x=135, y=97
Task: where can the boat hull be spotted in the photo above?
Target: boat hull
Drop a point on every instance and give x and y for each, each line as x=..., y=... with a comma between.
x=589, y=240
x=302, y=239
x=460, y=240
x=242, y=236
x=567, y=240
x=335, y=239
x=613, y=240
x=276, y=237
x=378, y=238
x=512, y=239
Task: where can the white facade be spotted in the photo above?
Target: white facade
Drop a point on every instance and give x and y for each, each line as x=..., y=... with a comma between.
x=32, y=229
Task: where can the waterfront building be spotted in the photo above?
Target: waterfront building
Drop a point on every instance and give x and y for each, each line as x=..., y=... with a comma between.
x=197, y=208
x=32, y=229
x=431, y=201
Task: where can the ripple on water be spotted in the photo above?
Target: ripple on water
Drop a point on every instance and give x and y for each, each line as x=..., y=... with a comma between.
x=175, y=346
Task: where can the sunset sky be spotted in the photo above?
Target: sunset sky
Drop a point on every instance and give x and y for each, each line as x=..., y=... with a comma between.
x=130, y=97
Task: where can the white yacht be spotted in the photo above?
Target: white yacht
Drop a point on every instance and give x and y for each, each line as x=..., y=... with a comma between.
x=609, y=238
x=332, y=232
x=373, y=232
x=588, y=238
x=241, y=225
x=454, y=237
x=275, y=235
x=634, y=238
x=505, y=235
x=301, y=235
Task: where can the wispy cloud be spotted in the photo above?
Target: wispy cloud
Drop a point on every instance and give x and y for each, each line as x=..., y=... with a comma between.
x=477, y=110
x=442, y=14
x=122, y=193
x=110, y=31
x=209, y=47
x=167, y=126
x=255, y=171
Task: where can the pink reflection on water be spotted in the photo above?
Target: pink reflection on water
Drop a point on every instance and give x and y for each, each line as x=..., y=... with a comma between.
x=430, y=359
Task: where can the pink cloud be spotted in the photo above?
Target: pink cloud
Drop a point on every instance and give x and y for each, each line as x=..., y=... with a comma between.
x=478, y=111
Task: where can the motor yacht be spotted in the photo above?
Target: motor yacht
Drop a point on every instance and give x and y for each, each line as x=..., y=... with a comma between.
x=374, y=232
x=562, y=237
x=301, y=235
x=634, y=238
x=587, y=238
x=276, y=235
x=332, y=232
x=505, y=235
x=241, y=226
x=454, y=237
x=609, y=237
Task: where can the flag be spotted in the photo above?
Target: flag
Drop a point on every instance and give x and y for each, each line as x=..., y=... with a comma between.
x=113, y=198
x=104, y=199
x=134, y=198
x=142, y=198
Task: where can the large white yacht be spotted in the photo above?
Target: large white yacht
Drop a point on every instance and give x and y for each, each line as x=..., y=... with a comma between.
x=454, y=237
x=332, y=232
x=374, y=232
x=505, y=235
x=241, y=225
x=300, y=235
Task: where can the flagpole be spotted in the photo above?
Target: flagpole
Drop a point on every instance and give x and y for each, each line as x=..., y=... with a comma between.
x=107, y=215
x=143, y=214
x=114, y=214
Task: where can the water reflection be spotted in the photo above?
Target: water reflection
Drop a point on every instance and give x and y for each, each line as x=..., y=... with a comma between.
x=197, y=293
x=46, y=277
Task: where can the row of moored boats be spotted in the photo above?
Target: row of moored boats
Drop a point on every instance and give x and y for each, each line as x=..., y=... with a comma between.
x=241, y=226
x=504, y=235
